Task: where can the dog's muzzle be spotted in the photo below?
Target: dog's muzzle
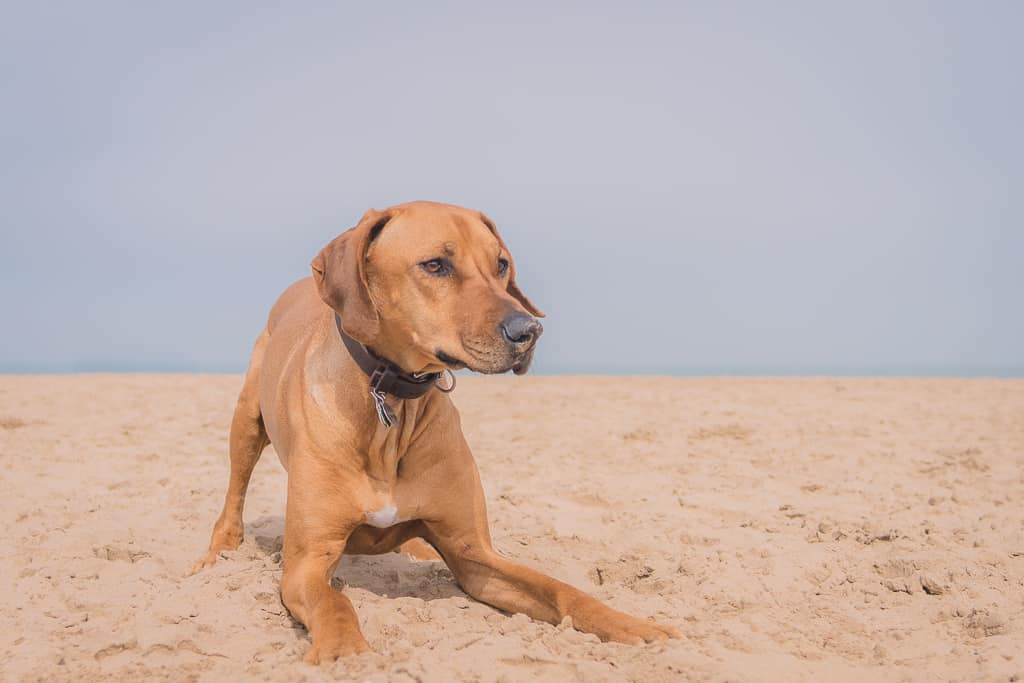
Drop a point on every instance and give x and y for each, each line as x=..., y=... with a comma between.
x=521, y=332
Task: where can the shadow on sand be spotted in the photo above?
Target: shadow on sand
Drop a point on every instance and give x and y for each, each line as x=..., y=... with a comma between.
x=391, y=575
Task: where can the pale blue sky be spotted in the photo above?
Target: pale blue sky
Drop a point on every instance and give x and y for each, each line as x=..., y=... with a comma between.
x=808, y=187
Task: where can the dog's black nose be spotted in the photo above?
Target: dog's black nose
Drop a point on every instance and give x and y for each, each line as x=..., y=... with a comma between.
x=521, y=330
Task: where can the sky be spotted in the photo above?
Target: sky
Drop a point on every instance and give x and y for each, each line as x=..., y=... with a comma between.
x=687, y=188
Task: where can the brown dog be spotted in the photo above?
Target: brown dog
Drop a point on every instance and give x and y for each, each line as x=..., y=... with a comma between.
x=427, y=287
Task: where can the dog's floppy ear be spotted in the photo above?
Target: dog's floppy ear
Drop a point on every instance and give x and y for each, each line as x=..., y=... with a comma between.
x=339, y=271
x=513, y=288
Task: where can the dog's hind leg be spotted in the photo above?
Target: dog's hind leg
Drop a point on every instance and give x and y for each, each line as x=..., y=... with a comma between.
x=418, y=549
x=247, y=441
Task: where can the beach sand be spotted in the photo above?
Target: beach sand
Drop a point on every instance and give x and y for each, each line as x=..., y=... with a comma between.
x=793, y=529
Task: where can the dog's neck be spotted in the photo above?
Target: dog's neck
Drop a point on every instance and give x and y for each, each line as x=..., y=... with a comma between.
x=385, y=376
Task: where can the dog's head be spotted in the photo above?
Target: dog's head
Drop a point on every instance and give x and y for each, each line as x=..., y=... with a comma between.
x=430, y=286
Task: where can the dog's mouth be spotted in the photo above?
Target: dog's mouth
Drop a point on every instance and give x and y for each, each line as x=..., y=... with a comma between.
x=452, y=362
x=488, y=365
x=522, y=364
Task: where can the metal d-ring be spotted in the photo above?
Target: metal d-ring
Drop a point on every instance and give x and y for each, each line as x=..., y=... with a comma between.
x=448, y=389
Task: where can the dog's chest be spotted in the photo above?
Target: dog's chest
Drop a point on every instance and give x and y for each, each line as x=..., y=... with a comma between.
x=379, y=503
x=383, y=517
x=385, y=500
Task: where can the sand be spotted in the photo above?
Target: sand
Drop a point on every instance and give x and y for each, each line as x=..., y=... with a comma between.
x=794, y=529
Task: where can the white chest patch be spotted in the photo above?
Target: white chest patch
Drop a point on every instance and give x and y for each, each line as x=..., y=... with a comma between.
x=383, y=518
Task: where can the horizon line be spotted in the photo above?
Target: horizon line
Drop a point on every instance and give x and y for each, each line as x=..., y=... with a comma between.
x=889, y=370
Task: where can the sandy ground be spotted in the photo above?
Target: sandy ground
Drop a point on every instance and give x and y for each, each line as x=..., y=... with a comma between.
x=794, y=529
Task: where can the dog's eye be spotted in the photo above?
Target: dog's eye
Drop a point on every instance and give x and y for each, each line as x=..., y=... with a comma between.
x=437, y=266
x=502, y=266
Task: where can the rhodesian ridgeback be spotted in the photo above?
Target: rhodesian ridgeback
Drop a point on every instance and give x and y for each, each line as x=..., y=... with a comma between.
x=347, y=381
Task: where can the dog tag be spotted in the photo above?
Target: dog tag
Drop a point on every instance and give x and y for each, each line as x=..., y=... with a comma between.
x=384, y=413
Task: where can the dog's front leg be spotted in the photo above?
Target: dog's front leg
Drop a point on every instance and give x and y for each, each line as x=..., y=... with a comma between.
x=317, y=527
x=461, y=535
x=327, y=614
x=513, y=587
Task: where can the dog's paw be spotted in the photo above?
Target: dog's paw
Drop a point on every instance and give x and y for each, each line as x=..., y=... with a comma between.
x=204, y=563
x=224, y=538
x=326, y=650
x=634, y=631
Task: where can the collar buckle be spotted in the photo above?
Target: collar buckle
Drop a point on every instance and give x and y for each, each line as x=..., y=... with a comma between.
x=377, y=378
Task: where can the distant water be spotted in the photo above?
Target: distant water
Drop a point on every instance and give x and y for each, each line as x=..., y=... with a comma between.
x=789, y=370
x=615, y=369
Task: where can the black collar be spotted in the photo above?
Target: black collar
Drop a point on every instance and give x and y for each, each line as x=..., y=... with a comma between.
x=385, y=376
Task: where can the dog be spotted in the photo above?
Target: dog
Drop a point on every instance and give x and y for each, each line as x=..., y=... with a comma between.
x=348, y=382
